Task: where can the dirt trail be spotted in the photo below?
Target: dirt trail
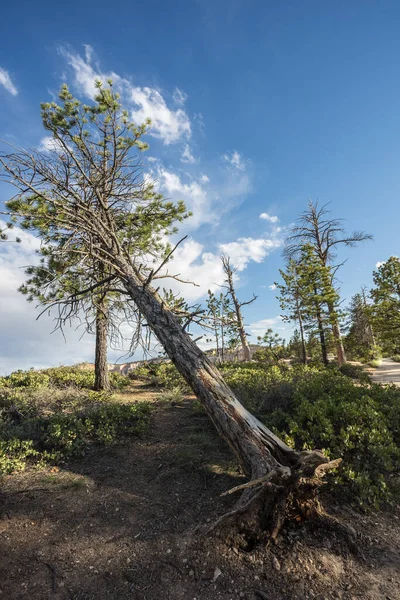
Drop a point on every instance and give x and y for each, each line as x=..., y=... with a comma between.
x=387, y=372
x=114, y=526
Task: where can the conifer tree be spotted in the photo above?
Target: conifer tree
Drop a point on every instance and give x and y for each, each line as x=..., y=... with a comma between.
x=292, y=302
x=90, y=198
x=386, y=307
x=325, y=236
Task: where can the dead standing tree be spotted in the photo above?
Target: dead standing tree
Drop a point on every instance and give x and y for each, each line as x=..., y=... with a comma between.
x=92, y=190
x=237, y=306
x=323, y=235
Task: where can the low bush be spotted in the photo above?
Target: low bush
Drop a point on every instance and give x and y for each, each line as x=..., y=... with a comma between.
x=39, y=426
x=396, y=357
x=60, y=377
x=175, y=395
x=359, y=423
x=355, y=372
x=375, y=363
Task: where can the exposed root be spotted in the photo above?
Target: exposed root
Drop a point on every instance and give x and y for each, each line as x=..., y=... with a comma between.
x=283, y=472
x=282, y=494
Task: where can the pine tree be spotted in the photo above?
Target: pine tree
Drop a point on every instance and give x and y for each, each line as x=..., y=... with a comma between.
x=324, y=235
x=386, y=307
x=90, y=196
x=291, y=301
x=361, y=338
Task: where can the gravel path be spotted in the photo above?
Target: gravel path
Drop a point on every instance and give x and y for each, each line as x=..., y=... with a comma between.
x=388, y=372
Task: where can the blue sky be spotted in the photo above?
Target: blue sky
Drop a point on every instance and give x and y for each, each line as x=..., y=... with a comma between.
x=256, y=106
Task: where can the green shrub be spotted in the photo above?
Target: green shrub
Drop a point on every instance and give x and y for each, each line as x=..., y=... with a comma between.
x=60, y=377
x=355, y=372
x=165, y=375
x=359, y=423
x=375, y=363
x=28, y=379
x=172, y=396
x=53, y=425
x=396, y=357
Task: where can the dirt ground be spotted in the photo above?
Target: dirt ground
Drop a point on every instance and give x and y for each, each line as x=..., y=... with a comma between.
x=119, y=524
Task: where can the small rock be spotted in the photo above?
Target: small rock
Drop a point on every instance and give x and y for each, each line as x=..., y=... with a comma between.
x=217, y=573
x=191, y=573
x=276, y=564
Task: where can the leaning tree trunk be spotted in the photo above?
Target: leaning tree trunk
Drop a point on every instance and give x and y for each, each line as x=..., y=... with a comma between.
x=279, y=475
x=101, y=375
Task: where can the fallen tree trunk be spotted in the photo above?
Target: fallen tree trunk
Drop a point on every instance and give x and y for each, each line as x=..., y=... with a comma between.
x=283, y=480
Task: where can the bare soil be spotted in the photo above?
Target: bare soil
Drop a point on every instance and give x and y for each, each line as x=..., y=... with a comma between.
x=120, y=524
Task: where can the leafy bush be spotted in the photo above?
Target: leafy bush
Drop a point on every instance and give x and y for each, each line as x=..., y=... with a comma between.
x=317, y=407
x=172, y=396
x=359, y=423
x=396, y=357
x=355, y=372
x=165, y=375
x=60, y=377
x=27, y=379
x=53, y=425
x=375, y=363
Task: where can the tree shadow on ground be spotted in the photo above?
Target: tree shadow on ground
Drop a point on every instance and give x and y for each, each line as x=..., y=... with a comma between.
x=116, y=524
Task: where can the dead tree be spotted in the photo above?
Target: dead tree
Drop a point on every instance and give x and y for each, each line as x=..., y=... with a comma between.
x=237, y=306
x=324, y=235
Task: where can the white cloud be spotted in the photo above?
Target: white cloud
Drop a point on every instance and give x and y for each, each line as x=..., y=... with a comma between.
x=272, y=286
x=192, y=192
x=204, y=179
x=235, y=160
x=267, y=217
x=179, y=97
x=187, y=156
x=5, y=81
x=28, y=342
x=167, y=124
x=244, y=250
x=259, y=327
x=380, y=263
x=192, y=263
x=48, y=143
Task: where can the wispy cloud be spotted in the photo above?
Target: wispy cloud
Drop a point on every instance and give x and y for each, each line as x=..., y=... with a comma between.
x=258, y=328
x=235, y=160
x=204, y=269
x=168, y=124
x=187, y=156
x=5, y=81
x=272, y=286
x=179, y=97
x=266, y=217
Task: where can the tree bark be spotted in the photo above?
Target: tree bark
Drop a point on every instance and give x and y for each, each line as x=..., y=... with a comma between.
x=303, y=341
x=321, y=332
x=340, y=353
x=101, y=375
x=239, y=318
x=261, y=453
